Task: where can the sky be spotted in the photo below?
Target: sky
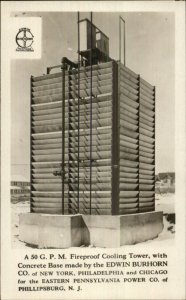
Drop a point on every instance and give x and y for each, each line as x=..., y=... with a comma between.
x=150, y=51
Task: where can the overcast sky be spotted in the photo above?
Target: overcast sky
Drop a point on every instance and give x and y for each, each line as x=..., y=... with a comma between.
x=149, y=52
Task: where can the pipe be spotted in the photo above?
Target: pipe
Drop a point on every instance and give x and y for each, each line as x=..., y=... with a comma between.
x=66, y=61
x=63, y=131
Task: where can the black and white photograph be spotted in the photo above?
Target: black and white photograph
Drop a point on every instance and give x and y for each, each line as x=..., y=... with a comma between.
x=95, y=151
x=99, y=143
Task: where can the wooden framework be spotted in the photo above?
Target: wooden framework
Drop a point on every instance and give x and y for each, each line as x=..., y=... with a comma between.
x=120, y=107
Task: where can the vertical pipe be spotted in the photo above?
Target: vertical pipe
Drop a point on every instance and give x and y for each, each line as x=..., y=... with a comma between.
x=63, y=135
x=124, y=58
x=120, y=39
x=91, y=114
x=124, y=44
x=115, y=139
x=69, y=143
x=138, y=142
x=31, y=78
x=78, y=103
x=154, y=140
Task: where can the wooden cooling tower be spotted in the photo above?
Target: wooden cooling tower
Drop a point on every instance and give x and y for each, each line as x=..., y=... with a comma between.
x=97, y=156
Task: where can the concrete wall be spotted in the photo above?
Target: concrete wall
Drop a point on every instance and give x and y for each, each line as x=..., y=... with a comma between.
x=64, y=231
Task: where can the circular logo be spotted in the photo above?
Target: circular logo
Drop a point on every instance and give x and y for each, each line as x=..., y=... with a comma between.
x=24, y=39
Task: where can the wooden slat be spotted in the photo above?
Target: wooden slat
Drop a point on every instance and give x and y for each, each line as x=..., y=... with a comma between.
x=46, y=113
x=128, y=200
x=128, y=88
x=48, y=194
x=127, y=139
x=146, y=144
x=149, y=97
x=146, y=204
x=125, y=131
x=146, y=209
x=146, y=139
x=128, y=187
x=128, y=163
x=99, y=101
x=127, y=211
x=53, y=85
x=148, y=93
x=45, y=176
x=146, y=160
x=48, y=187
x=145, y=166
x=45, y=166
x=146, y=181
x=128, y=194
x=128, y=175
x=128, y=156
x=146, y=187
x=143, y=115
x=128, y=71
x=128, y=98
x=47, y=146
x=47, y=117
x=128, y=145
x=43, y=205
x=125, y=118
x=146, y=176
x=43, y=137
x=146, y=122
x=128, y=205
x=128, y=125
x=125, y=113
x=48, y=158
x=147, y=84
x=145, y=194
x=128, y=150
x=146, y=103
x=146, y=199
x=95, y=211
x=52, y=180
x=130, y=77
x=98, y=117
x=52, y=121
x=125, y=106
x=145, y=154
x=128, y=180
x=127, y=80
x=128, y=170
x=73, y=81
x=48, y=210
x=146, y=111
x=146, y=172
x=82, y=70
x=147, y=127
x=48, y=200
x=146, y=149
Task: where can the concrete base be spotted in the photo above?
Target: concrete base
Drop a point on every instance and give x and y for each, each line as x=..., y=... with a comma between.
x=51, y=231
x=64, y=231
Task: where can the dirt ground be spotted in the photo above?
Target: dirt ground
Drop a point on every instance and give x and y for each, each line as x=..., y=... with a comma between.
x=164, y=202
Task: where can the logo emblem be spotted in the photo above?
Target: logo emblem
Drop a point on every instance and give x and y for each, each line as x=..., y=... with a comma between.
x=24, y=40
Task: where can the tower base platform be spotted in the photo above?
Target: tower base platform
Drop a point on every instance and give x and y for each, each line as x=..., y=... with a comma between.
x=64, y=231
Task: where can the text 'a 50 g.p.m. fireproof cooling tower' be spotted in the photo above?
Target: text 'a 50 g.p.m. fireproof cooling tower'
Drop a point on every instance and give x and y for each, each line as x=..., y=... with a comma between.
x=93, y=147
